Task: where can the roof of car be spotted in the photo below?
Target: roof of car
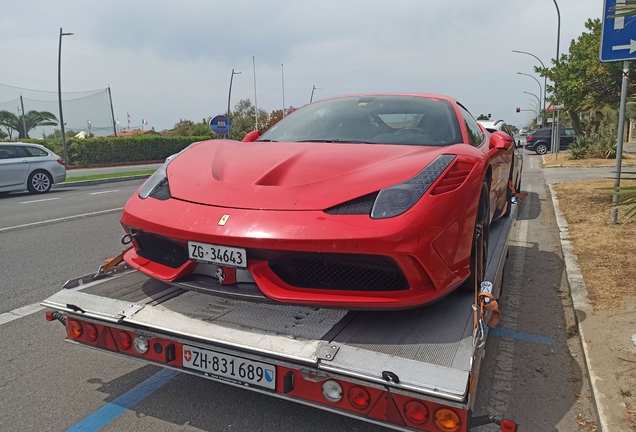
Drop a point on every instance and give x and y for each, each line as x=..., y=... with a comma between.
x=494, y=125
x=424, y=95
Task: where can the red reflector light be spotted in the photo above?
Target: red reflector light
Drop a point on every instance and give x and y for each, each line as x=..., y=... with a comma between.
x=49, y=316
x=416, y=412
x=359, y=397
x=124, y=339
x=508, y=426
x=60, y=161
x=529, y=138
x=91, y=332
x=74, y=328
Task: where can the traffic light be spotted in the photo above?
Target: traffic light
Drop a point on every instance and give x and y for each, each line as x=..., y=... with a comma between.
x=518, y=109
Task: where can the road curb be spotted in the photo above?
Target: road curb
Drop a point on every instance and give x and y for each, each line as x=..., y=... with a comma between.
x=100, y=181
x=580, y=301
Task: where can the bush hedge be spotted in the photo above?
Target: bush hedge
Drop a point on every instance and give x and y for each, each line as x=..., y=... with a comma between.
x=107, y=150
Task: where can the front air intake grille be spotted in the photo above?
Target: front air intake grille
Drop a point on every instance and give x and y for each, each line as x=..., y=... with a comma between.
x=340, y=272
x=358, y=206
x=161, y=250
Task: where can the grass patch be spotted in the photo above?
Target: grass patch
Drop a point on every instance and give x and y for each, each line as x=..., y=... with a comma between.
x=109, y=175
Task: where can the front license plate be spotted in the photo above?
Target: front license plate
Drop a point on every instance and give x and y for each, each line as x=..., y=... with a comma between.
x=230, y=368
x=223, y=255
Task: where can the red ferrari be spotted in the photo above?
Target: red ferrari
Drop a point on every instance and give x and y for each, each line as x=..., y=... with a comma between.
x=373, y=201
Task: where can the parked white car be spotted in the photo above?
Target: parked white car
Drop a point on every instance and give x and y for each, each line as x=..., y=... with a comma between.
x=29, y=167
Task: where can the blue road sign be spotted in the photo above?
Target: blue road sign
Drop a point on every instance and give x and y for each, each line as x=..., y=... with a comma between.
x=618, y=38
x=221, y=125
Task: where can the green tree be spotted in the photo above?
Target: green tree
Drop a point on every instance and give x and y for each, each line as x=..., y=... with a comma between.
x=482, y=117
x=581, y=82
x=23, y=124
x=244, y=121
x=202, y=129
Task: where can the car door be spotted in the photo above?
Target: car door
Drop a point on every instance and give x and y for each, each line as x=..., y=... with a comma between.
x=501, y=161
x=14, y=166
x=567, y=138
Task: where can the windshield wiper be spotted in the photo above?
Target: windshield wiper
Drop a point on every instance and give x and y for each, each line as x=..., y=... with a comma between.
x=266, y=140
x=338, y=141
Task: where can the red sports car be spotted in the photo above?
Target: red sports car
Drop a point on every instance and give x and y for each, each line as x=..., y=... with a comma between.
x=370, y=201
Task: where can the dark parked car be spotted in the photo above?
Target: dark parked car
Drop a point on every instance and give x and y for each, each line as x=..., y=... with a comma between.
x=540, y=140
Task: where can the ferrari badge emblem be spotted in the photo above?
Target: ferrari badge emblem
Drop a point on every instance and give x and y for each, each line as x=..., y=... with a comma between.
x=223, y=219
x=219, y=275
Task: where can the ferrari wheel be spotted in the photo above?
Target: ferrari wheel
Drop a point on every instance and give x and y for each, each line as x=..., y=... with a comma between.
x=541, y=149
x=479, y=249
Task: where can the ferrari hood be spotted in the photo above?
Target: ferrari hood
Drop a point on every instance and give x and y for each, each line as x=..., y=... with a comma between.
x=291, y=176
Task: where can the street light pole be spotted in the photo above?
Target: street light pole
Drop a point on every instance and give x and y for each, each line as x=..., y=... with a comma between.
x=59, y=94
x=538, y=83
x=229, y=96
x=282, y=78
x=538, y=101
x=555, y=126
x=312, y=93
x=545, y=79
x=558, y=29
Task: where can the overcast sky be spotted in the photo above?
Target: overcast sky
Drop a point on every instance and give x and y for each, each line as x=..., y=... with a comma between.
x=166, y=60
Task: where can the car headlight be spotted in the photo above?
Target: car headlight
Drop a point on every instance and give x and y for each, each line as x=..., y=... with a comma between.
x=157, y=185
x=395, y=200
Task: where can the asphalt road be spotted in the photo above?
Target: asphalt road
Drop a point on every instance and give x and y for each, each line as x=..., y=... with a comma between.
x=46, y=384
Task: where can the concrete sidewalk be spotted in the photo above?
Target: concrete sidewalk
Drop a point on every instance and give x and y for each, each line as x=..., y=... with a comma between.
x=607, y=337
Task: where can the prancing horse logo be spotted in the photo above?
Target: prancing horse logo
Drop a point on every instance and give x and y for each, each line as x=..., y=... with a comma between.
x=219, y=275
x=223, y=219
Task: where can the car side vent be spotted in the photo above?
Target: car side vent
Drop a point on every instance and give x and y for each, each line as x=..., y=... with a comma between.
x=358, y=206
x=454, y=178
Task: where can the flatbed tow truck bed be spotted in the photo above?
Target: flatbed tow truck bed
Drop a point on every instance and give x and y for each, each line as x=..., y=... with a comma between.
x=411, y=370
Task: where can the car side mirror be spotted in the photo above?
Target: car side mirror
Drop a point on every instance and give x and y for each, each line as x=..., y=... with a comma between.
x=500, y=141
x=252, y=136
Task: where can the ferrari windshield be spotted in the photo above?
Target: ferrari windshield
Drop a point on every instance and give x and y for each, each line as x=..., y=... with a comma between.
x=410, y=120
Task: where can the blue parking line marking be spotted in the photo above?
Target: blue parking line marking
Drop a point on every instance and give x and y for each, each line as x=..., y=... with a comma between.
x=527, y=337
x=114, y=409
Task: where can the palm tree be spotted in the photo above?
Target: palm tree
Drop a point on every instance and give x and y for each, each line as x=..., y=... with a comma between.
x=30, y=120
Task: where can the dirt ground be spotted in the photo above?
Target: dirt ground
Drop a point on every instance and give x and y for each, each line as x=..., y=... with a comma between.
x=607, y=257
x=606, y=251
x=562, y=160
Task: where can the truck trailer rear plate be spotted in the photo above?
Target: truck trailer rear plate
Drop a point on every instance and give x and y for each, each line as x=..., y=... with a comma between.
x=230, y=368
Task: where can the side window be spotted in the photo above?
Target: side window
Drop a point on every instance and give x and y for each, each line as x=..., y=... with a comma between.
x=569, y=132
x=21, y=152
x=35, y=152
x=474, y=132
x=7, y=152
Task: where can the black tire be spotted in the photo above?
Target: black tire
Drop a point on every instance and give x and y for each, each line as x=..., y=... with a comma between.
x=39, y=182
x=541, y=149
x=479, y=249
